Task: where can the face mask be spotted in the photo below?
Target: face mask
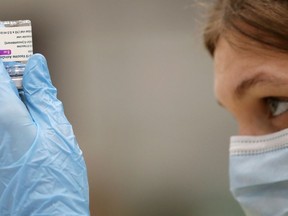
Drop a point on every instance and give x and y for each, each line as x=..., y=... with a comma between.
x=259, y=173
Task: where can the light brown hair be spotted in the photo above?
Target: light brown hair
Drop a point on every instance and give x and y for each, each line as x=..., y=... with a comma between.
x=262, y=21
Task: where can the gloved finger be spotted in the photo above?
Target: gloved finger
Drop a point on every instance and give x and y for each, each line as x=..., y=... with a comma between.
x=40, y=95
x=9, y=99
x=6, y=83
x=17, y=129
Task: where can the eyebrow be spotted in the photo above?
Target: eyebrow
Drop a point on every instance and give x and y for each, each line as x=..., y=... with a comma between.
x=261, y=79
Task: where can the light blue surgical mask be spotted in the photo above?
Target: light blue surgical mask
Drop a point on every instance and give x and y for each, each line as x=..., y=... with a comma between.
x=259, y=173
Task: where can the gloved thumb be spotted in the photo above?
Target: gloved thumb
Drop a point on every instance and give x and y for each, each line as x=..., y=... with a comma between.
x=40, y=95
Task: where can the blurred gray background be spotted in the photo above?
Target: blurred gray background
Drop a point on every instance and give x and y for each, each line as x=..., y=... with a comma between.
x=137, y=86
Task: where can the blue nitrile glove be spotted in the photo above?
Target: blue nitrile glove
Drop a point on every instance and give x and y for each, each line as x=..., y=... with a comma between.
x=42, y=170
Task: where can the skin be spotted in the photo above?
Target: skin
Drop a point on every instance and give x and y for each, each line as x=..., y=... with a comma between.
x=251, y=82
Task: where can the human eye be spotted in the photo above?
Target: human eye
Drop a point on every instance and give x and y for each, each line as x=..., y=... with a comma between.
x=277, y=106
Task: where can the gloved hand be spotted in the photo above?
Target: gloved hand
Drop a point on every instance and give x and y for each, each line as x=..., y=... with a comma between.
x=42, y=170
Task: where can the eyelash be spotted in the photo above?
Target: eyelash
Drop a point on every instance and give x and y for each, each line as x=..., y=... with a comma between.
x=276, y=106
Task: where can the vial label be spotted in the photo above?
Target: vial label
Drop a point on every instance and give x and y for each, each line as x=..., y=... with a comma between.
x=16, y=47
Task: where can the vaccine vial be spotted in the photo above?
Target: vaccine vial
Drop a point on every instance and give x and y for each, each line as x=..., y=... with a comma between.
x=16, y=47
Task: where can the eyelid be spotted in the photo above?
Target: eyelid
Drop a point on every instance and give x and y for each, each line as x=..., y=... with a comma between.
x=279, y=99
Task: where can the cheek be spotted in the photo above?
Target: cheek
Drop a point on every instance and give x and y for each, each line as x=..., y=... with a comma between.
x=252, y=117
x=280, y=122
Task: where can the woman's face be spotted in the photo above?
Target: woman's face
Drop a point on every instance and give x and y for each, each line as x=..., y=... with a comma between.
x=253, y=87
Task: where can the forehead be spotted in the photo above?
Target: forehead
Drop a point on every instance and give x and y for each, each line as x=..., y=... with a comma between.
x=232, y=55
x=235, y=64
x=231, y=64
x=245, y=54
